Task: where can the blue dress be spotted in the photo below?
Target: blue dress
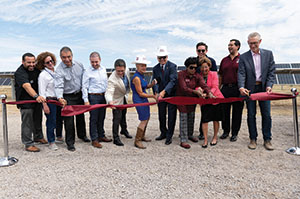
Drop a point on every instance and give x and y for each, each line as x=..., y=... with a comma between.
x=143, y=111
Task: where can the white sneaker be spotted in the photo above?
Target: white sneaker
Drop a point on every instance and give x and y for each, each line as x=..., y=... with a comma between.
x=53, y=146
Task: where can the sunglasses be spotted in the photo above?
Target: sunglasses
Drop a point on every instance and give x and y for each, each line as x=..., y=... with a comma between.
x=192, y=68
x=48, y=62
x=164, y=57
x=201, y=51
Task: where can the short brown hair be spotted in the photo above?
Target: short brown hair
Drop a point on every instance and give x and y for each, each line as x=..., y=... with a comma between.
x=204, y=60
x=41, y=60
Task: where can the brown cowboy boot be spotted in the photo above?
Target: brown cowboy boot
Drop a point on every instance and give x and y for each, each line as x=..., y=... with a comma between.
x=138, y=139
x=143, y=137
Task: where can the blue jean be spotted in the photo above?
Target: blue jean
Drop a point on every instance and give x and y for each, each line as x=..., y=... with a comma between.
x=265, y=110
x=97, y=117
x=51, y=123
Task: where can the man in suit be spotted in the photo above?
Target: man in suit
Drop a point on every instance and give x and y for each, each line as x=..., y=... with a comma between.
x=116, y=94
x=165, y=73
x=256, y=74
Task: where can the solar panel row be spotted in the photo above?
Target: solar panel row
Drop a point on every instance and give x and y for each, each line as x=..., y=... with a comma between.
x=280, y=78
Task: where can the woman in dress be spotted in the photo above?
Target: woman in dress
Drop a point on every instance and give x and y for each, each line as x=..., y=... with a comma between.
x=46, y=62
x=210, y=112
x=139, y=95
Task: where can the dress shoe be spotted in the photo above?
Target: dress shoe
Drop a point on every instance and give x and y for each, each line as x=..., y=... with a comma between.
x=118, y=142
x=233, y=138
x=268, y=145
x=32, y=149
x=224, y=136
x=105, y=139
x=41, y=141
x=161, y=137
x=96, y=144
x=85, y=139
x=201, y=137
x=252, y=144
x=193, y=139
x=168, y=141
x=71, y=148
x=126, y=134
x=185, y=145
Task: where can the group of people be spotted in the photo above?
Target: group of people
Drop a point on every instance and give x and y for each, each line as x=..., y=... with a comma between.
x=71, y=84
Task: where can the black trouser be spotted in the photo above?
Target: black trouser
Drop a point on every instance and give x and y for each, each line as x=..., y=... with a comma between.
x=162, y=116
x=231, y=90
x=119, y=118
x=59, y=122
x=74, y=99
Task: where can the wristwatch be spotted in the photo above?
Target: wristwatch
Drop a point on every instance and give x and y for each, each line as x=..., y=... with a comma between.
x=36, y=96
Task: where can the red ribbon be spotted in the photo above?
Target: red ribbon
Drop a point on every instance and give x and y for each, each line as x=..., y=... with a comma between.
x=71, y=110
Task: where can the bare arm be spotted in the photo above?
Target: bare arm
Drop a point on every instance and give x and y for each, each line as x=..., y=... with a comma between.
x=138, y=87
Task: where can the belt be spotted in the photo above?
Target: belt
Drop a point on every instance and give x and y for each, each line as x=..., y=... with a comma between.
x=96, y=93
x=230, y=85
x=75, y=93
x=258, y=83
x=51, y=98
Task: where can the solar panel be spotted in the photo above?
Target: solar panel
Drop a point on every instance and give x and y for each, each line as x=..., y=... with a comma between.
x=285, y=79
x=297, y=78
x=295, y=65
x=282, y=66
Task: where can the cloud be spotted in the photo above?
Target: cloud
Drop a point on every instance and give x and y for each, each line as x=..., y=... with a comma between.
x=124, y=28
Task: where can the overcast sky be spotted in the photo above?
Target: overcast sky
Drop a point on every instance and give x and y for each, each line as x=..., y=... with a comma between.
x=123, y=28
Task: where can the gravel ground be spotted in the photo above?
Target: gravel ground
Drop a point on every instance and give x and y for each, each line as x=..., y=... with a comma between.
x=227, y=170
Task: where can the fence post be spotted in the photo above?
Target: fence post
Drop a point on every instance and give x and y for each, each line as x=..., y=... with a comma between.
x=295, y=150
x=6, y=160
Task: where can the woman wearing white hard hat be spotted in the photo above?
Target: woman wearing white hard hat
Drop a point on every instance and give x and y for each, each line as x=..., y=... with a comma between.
x=139, y=95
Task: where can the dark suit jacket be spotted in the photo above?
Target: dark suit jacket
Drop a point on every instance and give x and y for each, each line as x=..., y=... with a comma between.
x=167, y=81
x=246, y=71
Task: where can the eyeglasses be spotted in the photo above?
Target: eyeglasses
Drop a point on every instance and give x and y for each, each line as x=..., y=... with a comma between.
x=253, y=43
x=192, y=68
x=48, y=62
x=201, y=51
x=164, y=57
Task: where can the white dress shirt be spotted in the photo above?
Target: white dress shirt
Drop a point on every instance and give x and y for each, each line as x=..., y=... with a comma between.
x=46, y=83
x=94, y=81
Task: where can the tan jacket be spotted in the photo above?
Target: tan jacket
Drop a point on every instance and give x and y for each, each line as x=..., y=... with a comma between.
x=116, y=90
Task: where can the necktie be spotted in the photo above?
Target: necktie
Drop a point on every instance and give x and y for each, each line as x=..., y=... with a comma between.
x=162, y=70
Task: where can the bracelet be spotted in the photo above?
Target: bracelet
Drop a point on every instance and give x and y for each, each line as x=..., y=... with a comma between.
x=36, y=96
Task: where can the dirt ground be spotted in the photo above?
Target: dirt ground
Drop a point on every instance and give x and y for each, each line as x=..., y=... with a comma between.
x=227, y=170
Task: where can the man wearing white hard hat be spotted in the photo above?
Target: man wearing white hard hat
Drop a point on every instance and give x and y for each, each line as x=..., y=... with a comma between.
x=139, y=95
x=165, y=73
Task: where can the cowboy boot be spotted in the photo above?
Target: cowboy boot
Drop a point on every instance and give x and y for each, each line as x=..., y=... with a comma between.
x=144, y=138
x=138, y=139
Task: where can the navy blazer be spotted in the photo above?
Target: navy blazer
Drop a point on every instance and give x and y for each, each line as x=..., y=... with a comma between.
x=167, y=82
x=246, y=71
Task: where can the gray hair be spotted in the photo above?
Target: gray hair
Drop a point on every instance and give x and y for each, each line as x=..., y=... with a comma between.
x=254, y=34
x=65, y=49
x=95, y=54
